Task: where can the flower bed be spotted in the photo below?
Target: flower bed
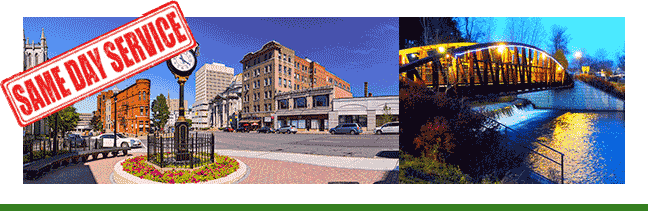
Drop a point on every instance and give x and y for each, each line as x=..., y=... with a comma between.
x=222, y=167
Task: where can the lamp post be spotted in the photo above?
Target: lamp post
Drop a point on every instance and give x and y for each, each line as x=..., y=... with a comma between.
x=578, y=56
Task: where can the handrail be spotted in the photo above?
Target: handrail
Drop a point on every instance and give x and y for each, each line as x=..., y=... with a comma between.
x=562, y=156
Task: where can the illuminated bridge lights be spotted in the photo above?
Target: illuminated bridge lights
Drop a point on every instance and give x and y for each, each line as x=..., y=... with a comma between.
x=482, y=65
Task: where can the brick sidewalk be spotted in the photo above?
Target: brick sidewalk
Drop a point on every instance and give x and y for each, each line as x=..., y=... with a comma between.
x=262, y=171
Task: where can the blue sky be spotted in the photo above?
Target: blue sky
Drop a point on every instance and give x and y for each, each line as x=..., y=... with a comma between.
x=589, y=33
x=357, y=50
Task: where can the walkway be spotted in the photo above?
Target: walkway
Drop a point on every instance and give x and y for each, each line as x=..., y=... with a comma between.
x=265, y=168
x=582, y=97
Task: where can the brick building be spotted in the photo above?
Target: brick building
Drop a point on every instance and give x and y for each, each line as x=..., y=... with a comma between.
x=277, y=69
x=132, y=108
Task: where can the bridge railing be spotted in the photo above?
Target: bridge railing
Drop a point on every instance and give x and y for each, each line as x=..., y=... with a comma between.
x=486, y=64
x=542, y=152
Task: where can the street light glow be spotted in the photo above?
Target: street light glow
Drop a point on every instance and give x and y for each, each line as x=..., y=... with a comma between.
x=441, y=49
x=500, y=48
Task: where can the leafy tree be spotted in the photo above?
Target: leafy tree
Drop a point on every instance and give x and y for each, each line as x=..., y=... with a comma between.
x=189, y=122
x=96, y=123
x=67, y=120
x=160, y=111
x=560, y=56
x=559, y=39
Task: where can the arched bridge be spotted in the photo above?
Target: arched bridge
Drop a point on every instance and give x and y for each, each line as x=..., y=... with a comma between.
x=470, y=69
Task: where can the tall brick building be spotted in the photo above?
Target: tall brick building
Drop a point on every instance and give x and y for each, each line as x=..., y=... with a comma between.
x=277, y=69
x=132, y=108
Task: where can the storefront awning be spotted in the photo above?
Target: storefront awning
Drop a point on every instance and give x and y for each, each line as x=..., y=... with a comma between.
x=249, y=121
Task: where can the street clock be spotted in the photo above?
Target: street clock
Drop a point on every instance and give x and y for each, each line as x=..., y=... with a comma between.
x=184, y=64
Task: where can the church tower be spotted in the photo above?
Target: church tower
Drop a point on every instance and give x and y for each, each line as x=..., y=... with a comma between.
x=34, y=54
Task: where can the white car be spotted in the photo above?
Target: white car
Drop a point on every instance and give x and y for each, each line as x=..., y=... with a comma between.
x=122, y=141
x=392, y=127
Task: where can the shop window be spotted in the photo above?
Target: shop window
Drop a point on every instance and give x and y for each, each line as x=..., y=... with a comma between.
x=283, y=104
x=321, y=101
x=300, y=102
x=359, y=119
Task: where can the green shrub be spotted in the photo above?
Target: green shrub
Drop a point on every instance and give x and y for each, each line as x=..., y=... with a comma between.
x=423, y=170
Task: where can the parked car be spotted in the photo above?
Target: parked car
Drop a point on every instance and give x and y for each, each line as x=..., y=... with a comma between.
x=392, y=127
x=265, y=129
x=122, y=141
x=75, y=140
x=287, y=129
x=242, y=129
x=228, y=129
x=346, y=128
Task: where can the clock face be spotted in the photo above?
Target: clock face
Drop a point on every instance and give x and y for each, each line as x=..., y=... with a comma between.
x=183, y=64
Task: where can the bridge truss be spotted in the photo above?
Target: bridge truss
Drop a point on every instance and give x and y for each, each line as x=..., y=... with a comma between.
x=470, y=69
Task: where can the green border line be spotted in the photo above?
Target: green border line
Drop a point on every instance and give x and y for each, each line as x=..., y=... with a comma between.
x=323, y=207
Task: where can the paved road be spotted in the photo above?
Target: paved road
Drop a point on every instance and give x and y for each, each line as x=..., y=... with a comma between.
x=332, y=145
x=321, y=144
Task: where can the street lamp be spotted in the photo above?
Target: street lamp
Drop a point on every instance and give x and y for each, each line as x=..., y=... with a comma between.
x=578, y=55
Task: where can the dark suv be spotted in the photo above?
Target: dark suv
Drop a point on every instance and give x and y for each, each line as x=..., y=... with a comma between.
x=346, y=128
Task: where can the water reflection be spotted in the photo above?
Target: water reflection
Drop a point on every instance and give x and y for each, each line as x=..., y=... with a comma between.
x=593, y=144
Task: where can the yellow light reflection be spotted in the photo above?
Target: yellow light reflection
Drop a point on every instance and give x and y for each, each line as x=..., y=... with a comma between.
x=571, y=134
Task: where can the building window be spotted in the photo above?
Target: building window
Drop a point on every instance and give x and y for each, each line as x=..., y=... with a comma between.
x=141, y=111
x=279, y=81
x=300, y=102
x=359, y=119
x=285, y=83
x=321, y=101
x=283, y=104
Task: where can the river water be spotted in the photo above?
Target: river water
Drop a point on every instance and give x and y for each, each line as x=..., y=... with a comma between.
x=593, y=143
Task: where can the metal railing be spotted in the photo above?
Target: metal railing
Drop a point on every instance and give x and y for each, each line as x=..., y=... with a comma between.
x=165, y=151
x=38, y=147
x=494, y=124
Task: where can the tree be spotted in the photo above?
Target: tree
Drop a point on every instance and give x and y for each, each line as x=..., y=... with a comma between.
x=189, y=122
x=420, y=31
x=559, y=39
x=525, y=30
x=471, y=28
x=67, y=120
x=386, y=117
x=602, y=63
x=621, y=60
x=96, y=123
x=560, y=57
x=160, y=112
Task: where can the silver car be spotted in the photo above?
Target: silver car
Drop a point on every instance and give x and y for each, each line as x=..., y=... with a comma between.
x=122, y=141
x=287, y=129
x=392, y=127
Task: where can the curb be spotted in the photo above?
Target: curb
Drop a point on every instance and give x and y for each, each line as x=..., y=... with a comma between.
x=122, y=177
